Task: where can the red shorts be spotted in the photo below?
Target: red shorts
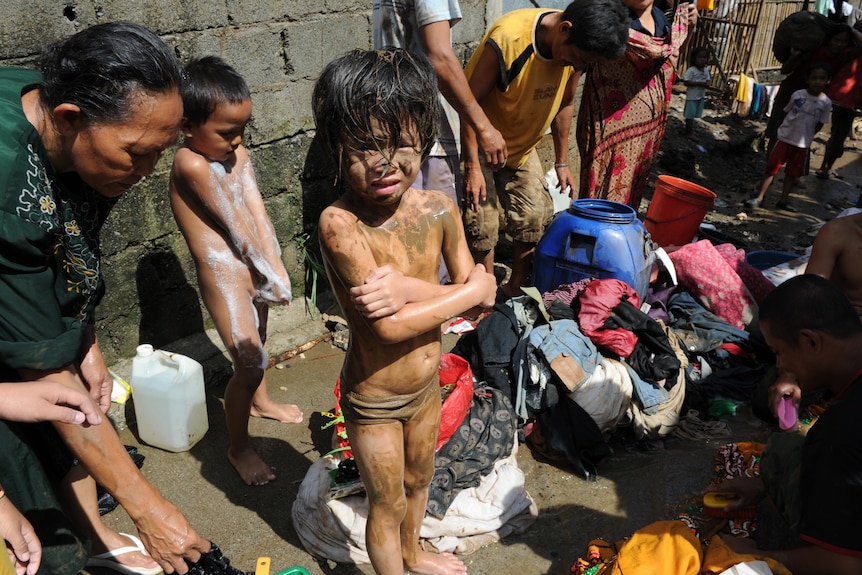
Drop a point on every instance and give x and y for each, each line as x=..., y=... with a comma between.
x=791, y=157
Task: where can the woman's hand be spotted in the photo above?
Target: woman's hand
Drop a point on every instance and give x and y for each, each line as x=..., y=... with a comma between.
x=94, y=371
x=169, y=538
x=692, y=15
x=23, y=547
x=33, y=401
x=749, y=489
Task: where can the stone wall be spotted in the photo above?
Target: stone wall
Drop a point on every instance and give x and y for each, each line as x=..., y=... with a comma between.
x=279, y=46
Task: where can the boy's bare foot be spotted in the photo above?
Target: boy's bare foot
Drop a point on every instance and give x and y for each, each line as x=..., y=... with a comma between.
x=251, y=468
x=437, y=564
x=283, y=412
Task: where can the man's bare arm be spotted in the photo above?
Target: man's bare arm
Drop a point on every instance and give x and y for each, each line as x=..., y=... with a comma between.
x=805, y=560
x=454, y=87
x=560, y=129
x=485, y=76
x=826, y=250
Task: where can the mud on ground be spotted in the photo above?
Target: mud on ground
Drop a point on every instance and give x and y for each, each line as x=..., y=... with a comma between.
x=727, y=157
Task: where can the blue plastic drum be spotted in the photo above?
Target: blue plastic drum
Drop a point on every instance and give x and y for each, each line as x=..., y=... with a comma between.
x=594, y=239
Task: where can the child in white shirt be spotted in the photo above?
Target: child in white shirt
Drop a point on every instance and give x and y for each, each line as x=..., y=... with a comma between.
x=807, y=112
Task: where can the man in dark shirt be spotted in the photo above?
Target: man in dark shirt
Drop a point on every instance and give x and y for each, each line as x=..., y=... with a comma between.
x=816, y=335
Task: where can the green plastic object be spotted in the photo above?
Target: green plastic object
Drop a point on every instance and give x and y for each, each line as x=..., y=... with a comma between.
x=295, y=570
x=722, y=408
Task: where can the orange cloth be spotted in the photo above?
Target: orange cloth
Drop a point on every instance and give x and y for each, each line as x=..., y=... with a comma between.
x=670, y=547
x=661, y=547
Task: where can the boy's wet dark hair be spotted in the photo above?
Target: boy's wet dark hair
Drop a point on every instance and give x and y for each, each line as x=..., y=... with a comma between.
x=819, y=65
x=695, y=54
x=809, y=302
x=211, y=81
x=599, y=26
x=391, y=87
x=101, y=68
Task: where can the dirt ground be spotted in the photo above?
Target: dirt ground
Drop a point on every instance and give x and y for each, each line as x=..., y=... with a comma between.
x=727, y=158
x=638, y=484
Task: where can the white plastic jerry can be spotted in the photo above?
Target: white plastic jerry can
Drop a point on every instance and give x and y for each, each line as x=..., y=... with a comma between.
x=169, y=398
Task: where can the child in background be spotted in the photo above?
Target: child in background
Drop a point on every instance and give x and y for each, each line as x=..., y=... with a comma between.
x=219, y=210
x=696, y=80
x=807, y=111
x=381, y=242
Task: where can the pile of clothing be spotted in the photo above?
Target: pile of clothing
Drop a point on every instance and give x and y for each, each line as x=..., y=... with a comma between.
x=563, y=370
x=586, y=359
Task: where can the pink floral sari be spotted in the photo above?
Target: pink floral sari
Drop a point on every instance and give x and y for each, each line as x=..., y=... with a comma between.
x=623, y=114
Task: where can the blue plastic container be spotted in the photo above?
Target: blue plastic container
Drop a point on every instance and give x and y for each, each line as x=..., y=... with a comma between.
x=765, y=259
x=594, y=239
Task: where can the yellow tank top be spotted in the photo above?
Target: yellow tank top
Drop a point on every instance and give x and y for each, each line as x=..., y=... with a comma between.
x=531, y=88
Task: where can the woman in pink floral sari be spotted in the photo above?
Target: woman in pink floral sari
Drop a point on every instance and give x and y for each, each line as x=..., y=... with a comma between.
x=623, y=112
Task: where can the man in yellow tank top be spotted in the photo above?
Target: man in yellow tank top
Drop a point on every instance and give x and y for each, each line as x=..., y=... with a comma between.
x=524, y=74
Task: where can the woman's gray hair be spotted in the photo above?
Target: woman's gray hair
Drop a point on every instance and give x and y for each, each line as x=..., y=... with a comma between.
x=100, y=68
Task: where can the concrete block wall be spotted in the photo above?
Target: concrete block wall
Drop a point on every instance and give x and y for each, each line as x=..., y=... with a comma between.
x=279, y=46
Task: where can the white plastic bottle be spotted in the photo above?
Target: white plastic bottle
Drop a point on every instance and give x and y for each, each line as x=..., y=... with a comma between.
x=169, y=398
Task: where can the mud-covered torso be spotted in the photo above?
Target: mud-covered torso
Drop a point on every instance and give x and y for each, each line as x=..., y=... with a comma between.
x=410, y=241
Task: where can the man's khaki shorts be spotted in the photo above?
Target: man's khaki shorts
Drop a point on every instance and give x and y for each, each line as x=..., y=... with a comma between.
x=517, y=199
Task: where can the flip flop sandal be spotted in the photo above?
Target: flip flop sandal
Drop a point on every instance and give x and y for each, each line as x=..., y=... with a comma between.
x=108, y=559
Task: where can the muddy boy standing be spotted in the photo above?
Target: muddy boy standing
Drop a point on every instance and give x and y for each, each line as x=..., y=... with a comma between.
x=375, y=111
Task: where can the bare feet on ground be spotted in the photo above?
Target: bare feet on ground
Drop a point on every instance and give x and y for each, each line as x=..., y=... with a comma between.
x=112, y=541
x=251, y=468
x=283, y=412
x=437, y=564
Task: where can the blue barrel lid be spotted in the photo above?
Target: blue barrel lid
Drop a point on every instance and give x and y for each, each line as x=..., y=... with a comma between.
x=603, y=210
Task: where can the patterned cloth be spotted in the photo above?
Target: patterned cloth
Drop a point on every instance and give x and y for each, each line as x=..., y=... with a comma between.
x=752, y=277
x=703, y=272
x=484, y=437
x=565, y=293
x=623, y=114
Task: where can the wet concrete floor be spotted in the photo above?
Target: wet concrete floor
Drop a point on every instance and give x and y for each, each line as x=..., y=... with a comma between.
x=634, y=488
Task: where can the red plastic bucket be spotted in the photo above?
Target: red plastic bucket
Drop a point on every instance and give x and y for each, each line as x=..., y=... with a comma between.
x=676, y=210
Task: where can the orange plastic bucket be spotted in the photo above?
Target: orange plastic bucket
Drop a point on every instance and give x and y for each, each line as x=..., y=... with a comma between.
x=676, y=210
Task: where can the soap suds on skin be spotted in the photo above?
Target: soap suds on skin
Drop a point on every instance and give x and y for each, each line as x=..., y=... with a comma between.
x=244, y=228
